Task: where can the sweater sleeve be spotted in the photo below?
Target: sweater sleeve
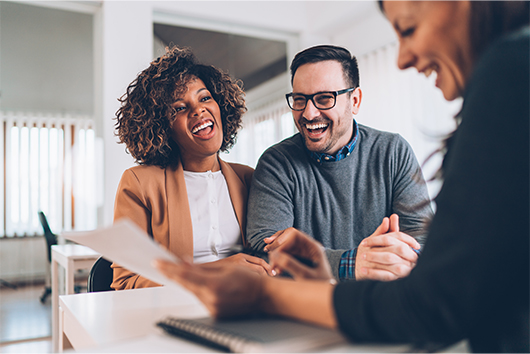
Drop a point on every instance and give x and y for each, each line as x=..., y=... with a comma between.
x=131, y=203
x=270, y=206
x=472, y=280
x=410, y=198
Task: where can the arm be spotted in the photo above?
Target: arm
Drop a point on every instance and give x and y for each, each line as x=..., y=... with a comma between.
x=410, y=197
x=270, y=204
x=131, y=203
x=411, y=206
x=229, y=291
x=386, y=255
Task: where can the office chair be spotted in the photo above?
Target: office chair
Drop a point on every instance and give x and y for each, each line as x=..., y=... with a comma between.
x=51, y=239
x=100, y=276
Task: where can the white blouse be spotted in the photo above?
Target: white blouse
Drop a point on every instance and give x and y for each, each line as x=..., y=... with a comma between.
x=214, y=222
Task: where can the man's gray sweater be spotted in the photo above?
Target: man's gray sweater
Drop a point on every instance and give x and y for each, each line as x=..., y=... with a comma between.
x=338, y=203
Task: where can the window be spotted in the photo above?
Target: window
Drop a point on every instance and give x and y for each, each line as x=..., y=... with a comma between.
x=49, y=165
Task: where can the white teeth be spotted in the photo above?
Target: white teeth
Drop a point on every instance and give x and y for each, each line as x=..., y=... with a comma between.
x=427, y=72
x=200, y=127
x=316, y=126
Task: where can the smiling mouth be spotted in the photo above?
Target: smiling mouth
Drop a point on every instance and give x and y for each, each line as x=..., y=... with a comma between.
x=428, y=71
x=202, y=129
x=317, y=128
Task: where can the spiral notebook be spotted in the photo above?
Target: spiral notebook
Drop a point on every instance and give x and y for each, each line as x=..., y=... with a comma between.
x=256, y=335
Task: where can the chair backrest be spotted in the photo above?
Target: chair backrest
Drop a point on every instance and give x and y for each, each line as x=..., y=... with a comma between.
x=100, y=276
x=51, y=238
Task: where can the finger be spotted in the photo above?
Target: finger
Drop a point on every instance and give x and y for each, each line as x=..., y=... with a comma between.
x=375, y=274
x=400, y=269
x=272, y=238
x=383, y=228
x=273, y=241
x=285, y=263
x=394, y=223
x=390, y=239
x=383, y=258
x=187, y=275
x=260, y=263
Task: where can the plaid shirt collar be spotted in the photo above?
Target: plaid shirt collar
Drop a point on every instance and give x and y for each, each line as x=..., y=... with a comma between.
x=342, y=153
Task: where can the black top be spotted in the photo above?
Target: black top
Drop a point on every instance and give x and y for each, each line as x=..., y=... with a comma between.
x=472, y=279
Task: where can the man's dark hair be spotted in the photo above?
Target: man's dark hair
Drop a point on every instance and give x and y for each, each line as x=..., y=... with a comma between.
x=328, y=52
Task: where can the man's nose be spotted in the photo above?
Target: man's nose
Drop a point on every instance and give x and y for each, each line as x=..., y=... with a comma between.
x=310, y=112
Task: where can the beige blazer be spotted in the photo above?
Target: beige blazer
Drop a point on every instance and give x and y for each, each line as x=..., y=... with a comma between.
x=156, y=199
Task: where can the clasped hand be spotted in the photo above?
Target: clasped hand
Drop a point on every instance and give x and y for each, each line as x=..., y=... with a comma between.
x=387, y=254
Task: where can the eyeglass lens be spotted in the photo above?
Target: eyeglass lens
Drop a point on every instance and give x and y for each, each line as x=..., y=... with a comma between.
x=323, y=100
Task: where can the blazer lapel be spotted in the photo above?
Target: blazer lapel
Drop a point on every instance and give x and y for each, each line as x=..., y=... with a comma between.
x=238, y=195
x=179, y=217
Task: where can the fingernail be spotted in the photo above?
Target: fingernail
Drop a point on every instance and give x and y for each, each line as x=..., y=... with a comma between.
x=364, y=270
x=274, y=273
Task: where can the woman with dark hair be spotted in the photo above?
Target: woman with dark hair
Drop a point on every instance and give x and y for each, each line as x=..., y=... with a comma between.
x=174, y=119
x=472, y=279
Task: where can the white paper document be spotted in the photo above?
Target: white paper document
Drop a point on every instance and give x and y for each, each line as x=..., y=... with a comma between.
x=130, y=247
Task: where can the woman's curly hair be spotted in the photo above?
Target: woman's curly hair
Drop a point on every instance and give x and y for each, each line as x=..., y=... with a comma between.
x=146, y=114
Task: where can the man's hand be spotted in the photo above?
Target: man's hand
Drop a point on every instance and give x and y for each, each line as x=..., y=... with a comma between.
x=255, y=264
x=386, y=254
x=286, y=246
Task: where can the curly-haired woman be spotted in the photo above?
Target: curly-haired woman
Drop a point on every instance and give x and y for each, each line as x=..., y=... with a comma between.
x=174, y=119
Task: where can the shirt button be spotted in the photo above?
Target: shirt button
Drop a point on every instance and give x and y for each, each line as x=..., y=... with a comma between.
x=214, y=227
x=212, y=201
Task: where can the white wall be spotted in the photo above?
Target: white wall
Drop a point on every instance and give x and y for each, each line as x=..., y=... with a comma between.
x=120, y=39
x=123, y=48
x=43, y=67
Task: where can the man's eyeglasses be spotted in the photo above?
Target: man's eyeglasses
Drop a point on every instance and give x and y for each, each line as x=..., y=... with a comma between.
x=321, y=100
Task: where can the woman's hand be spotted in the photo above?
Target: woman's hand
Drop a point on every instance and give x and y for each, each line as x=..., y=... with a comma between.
x=227, y=290
x=255, y=264
x=285, y=246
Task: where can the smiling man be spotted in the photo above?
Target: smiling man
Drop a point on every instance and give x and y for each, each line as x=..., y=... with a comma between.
x=337, y=180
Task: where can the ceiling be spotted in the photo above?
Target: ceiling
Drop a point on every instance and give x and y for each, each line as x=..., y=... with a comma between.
x=253, y=60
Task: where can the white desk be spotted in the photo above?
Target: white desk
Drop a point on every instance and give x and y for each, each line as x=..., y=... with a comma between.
x=72, y=258
x=124, y=322
x=99, y=319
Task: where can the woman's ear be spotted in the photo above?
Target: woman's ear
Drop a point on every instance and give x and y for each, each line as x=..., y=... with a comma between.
x=355, y=100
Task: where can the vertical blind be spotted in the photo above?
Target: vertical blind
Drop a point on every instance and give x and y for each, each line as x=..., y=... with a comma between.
x=262, y=127
x=49, y=165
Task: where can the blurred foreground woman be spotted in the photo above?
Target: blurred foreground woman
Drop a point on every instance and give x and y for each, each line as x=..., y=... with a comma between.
x=472, y=279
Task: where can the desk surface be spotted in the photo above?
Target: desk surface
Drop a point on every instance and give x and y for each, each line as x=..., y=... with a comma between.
x=96, y=319
x=124, y=321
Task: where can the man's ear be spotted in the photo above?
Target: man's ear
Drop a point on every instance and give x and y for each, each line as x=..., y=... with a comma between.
x=355, y=100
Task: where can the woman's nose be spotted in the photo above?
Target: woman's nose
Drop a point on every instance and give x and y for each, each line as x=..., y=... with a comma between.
x=406, y=58
x=198, y=109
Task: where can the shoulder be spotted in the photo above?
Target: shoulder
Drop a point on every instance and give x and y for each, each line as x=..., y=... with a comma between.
x=144, y=171
x=499, y=85
x=504, y=62
x=288, y=149
x=378, y=139
x=243, y=171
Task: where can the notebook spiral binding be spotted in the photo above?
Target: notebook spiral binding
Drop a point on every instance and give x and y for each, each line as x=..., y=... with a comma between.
x=204, y=334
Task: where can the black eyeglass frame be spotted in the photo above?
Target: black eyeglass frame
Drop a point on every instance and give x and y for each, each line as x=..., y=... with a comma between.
x=311, y=97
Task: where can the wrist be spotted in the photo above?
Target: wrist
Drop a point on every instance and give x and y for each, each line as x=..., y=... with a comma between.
x=265, y=301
